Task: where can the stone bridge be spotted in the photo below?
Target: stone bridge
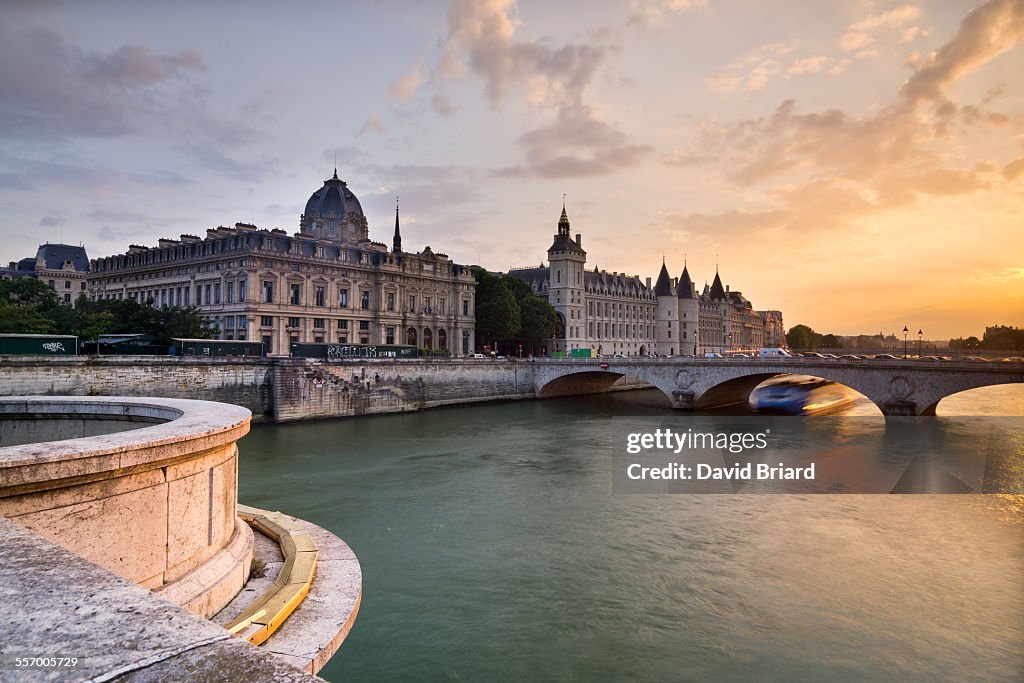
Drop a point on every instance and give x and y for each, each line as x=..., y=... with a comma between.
x=897, y=387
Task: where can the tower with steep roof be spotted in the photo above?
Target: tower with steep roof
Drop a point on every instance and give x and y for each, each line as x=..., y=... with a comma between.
x=666, y=336
x=567, y=261
x=688, y=310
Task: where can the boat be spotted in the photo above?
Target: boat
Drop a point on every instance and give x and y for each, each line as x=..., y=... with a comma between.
x=799, y=395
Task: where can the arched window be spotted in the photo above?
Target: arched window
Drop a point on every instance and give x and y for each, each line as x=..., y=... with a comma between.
x=410, y=337
x=428, y=338
x=442, y=339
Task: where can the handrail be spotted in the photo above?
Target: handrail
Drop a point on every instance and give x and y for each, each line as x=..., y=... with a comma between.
x=266, y=614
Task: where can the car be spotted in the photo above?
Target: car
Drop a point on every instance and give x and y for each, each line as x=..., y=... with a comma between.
x=811, y=354
x=930, y=359
x=618, y=355
x=738, y=355
x=884, y=356
x=712, y=354
x=476, y=355
x=849, y=356
x=830, y=356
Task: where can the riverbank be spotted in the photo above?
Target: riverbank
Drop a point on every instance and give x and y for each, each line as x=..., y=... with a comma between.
x=284, y=389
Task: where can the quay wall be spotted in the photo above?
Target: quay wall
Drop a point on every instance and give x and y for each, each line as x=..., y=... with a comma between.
x=282, y=389
x=242, y=381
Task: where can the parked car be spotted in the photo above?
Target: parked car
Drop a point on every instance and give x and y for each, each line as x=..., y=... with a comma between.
x=884, y=356
x=811, y=354
x=712, y=354
x=849, y=356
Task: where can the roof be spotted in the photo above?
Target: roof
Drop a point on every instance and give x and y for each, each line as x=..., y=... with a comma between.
x=663, y=287
x=685, y=290
x=55, y=256
x=717, y=290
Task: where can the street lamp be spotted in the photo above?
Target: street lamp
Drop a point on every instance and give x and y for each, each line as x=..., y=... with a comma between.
x=905, y=331
x=919, y=340
x=695, y=343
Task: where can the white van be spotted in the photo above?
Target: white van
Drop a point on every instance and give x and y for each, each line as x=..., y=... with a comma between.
x=774, y=353
x=711, y=354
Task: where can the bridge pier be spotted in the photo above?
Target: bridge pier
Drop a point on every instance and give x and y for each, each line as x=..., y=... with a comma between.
x=684, y=400
x=899, y=409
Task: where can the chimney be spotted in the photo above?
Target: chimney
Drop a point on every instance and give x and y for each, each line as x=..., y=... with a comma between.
x=579, y=239
x=648, y=283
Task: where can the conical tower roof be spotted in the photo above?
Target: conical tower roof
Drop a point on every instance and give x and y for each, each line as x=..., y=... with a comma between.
x=685, y=289
x=663, y=287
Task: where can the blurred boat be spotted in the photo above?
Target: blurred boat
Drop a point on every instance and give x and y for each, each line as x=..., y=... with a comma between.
x=800, y=395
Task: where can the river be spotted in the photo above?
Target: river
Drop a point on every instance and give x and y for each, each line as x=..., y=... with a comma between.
x=493, y=549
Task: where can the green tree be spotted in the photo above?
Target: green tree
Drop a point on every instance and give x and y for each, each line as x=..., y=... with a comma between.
x=831, y=341
x=27, y=306
x=497, y=311
x=537, y=319
x=802, y=337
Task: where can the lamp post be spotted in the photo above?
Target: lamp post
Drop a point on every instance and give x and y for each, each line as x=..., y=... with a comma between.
x=695, y=343
x=905, y=331
x=920, y=338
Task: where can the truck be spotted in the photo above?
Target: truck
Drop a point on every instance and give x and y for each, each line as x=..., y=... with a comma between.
x=774, y=353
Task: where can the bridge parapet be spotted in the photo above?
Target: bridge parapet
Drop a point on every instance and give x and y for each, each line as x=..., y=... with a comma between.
x=897, y=387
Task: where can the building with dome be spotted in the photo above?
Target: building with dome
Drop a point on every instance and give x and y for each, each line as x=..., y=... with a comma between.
x=611, y=313
x=327, y=283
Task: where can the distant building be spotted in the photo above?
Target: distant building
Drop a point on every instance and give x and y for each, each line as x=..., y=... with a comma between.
x=327, y=283
x=64, y=267
x=616, y=313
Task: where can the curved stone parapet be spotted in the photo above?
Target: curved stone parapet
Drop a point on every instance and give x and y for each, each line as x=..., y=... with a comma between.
x=155, y=504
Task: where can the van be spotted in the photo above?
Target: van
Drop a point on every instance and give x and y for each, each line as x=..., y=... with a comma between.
x=774, y=353
x=711, y=354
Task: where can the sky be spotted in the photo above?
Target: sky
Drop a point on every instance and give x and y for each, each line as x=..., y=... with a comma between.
x=857, y=164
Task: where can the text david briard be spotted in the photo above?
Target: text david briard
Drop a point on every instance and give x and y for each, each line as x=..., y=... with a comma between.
x=733, y=442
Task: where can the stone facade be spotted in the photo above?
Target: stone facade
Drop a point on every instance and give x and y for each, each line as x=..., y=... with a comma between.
x=327, y=283
x=614, y=313
x=63, y=267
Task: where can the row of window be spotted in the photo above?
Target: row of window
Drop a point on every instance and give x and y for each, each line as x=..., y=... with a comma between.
x=624, y=330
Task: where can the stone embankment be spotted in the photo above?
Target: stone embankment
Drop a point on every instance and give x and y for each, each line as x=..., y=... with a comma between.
x=281, y=389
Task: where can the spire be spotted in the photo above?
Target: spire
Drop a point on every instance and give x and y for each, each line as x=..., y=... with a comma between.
x=335, y=173
x=396, y=244
x=717, y=289
x=663, y=287
x=563, y=221
x=685, y=290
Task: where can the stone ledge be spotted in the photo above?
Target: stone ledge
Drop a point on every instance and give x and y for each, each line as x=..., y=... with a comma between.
x=60, y=604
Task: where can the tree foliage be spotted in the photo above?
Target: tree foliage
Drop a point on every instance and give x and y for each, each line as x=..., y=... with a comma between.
x=507, y=309
x=28, y=306
x=802, y=337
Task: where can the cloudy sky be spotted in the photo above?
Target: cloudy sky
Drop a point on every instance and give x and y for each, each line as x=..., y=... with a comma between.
x=858, y=165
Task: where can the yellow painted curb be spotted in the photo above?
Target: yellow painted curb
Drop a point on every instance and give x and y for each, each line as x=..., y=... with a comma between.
x=269, y=611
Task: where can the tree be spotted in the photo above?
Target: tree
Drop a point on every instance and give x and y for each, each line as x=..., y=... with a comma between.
x=537, y=319
x=27, y=306
x=803, y=337
x=497, y=311
x=831, y=341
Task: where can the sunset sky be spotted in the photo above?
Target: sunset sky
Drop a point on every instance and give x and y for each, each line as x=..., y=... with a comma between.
x=858, y=165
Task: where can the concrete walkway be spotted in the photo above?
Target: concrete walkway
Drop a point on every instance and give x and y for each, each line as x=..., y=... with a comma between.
x=58, y=605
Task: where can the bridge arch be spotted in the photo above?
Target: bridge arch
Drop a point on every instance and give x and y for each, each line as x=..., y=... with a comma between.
x=896, y=388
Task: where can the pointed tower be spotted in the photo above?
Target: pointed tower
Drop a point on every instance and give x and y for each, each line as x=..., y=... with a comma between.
x=666, y=328
x=567, y=261
x=689, y=311
x=396, y=243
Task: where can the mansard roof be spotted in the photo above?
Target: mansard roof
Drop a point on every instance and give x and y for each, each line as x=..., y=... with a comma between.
x=55, y=256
